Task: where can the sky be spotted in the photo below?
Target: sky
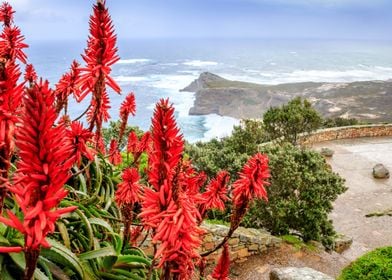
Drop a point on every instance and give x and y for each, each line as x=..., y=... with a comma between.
x=133, y=19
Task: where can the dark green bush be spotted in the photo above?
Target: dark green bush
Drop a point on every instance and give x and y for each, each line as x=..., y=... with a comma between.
x=288, y=121
x=376, y=265
x=337, y=122
x=300, y=196
x=216, y=155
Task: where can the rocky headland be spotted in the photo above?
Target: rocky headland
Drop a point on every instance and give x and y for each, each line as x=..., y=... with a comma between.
x=368, y=101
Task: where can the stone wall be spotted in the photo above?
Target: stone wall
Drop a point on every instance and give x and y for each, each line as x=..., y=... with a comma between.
x=348, y=132
x=244, y=242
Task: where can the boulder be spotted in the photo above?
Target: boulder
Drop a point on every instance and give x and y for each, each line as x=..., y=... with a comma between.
x=342, y=243
x=296, y=273
x=380, y=171
x=327, y=152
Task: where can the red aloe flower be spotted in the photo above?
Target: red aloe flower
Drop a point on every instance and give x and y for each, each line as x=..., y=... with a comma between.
x=99, y=144
x=79, y=138
x=10, y=91
x=6, y=14
x=114, y=153
x=128, y=107
x=221, y=271
x=133, y=142
x=99, y=112
x=167, y=208
x=250, y=185
x=192, y=180
x=145, y=141
x=167, y=145
x=10, y=101
x=215, y=195
x=12, y=45
x=127, y=194
x=42, y=171
x=136, y=147
x=252, y=181
x=30, y=74
x=129, y=190
x=67, y=86
x=100, y=55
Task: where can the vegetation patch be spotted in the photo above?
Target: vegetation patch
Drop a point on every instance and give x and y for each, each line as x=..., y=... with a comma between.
x=376, y=265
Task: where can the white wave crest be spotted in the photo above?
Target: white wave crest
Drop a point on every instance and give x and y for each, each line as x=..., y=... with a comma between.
x=218, y=126
x=171, y=82
x=200, y=63
x=133, y=61
x=362, y=73
x=129, y=79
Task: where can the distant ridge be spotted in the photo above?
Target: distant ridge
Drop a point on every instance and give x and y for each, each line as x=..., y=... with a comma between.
x=369, y=101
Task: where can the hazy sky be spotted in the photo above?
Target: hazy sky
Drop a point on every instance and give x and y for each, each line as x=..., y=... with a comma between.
x=336, y=19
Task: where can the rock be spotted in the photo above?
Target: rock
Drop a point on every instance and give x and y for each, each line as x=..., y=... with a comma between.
x=204, y=80
x=380, y=171
x=327, y=152
x=295, y=273
x=342, y=243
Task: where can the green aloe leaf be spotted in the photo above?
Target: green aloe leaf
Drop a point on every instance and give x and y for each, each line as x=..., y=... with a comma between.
x=133, y=259
x=64, y=234
x=60, y=254
x=89, y=229
x=110, y=276
x=19, y=260
x=101, y=222
x=5, y=275
x=128, y=274
x=55, y=270
x=102, y=252
x=108, y=262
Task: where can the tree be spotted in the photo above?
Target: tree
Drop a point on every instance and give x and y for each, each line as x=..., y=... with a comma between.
x=300, y=196
x=288, y=121
x=246, y=137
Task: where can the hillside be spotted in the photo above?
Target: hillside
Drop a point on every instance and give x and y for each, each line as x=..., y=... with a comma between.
x=368, y=101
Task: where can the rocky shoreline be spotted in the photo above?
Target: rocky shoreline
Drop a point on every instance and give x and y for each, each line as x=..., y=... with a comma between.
x=368, y=101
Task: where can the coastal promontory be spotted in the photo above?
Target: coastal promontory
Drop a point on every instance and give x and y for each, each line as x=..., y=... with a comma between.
x=365, y=100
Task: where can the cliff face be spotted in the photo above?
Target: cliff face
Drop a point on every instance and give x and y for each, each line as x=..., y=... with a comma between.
x=369, y=101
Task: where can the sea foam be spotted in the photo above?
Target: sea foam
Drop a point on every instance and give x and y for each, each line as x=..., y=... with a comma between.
x=200, y=63
x=129, y=79
x=133, y=61
x=362, y=73
x=218, y=126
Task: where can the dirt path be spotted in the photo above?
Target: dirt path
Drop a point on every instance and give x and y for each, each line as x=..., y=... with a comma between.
x=353, y=160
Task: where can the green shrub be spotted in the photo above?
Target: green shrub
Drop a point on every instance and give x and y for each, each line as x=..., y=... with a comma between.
x=376, y=265
x=246, y=137
x=288, y=121
x=216, y=155
x=338, y=122
x=300, y=196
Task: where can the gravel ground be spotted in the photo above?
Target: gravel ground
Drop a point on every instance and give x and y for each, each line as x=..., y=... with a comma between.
x=259, y=267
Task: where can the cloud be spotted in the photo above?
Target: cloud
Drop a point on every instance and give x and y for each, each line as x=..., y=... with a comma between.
x=47, y=14
x=321, y=3
x=21, y=5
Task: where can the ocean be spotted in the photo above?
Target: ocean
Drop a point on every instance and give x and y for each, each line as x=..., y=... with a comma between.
x=159, y=68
